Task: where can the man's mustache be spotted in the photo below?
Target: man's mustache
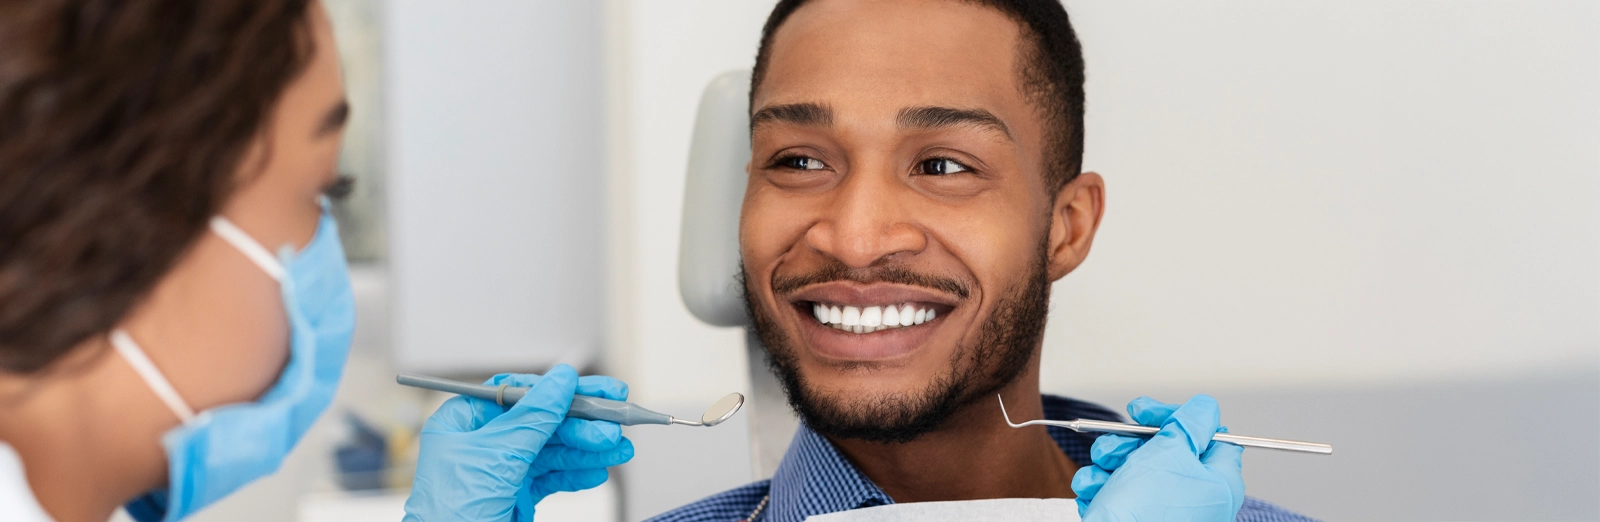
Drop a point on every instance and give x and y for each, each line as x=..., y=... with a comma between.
x=895, y=274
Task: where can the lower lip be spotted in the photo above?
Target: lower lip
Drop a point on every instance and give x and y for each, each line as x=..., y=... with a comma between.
x=832, y=343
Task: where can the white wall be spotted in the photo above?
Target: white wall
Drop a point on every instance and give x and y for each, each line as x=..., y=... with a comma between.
x=1321, y=213
x=1359, y=192
x=496, y=200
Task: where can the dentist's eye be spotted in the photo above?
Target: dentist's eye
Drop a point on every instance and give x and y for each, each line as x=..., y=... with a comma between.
x=801, y=163
x=340, y=188
x=940, y=166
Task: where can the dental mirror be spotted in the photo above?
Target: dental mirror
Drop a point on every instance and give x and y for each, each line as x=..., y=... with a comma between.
x=723, y=409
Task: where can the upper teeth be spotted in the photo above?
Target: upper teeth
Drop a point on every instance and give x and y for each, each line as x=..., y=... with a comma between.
x=872, y=318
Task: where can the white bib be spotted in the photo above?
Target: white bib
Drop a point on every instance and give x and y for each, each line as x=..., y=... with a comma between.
x=1007, y=509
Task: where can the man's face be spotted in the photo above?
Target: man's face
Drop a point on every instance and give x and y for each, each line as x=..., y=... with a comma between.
x=896, y=162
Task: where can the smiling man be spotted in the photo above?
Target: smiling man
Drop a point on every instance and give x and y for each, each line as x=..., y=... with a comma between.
x=914, y=190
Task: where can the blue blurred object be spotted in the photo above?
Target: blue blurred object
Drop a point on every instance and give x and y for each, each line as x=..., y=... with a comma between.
x=1179, y=474
x=361, y=459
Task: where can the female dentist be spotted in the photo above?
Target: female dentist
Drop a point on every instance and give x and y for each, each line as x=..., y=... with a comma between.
x=175, y=311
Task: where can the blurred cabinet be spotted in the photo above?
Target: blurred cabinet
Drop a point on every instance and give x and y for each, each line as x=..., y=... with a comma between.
x=495, y=183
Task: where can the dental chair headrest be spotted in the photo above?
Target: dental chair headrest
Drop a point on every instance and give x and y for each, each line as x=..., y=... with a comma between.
x=708, y=247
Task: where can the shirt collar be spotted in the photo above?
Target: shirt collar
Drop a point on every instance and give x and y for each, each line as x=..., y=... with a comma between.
x=814, y=478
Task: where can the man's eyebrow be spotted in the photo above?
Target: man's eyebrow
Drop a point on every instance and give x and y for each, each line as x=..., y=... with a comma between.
x=334, y=119
x=936, y=117
x=808, y=114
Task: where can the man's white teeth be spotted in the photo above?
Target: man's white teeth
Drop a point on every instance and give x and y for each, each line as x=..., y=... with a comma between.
x=872, y=318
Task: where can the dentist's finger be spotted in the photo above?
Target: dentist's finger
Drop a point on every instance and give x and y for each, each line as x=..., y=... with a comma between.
x=1087, y=483
x=535, y=417
x=1190, y=427
x=564, y=458
x=1111, y=450
x=589, y=435
x=574, y=480
x=603, y=387
x=1150, y=412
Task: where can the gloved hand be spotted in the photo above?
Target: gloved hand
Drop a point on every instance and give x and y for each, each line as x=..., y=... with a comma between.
x=482, y=462
x=1179, y=474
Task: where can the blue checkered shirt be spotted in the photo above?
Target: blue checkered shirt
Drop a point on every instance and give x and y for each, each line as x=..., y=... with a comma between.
x=814, y=479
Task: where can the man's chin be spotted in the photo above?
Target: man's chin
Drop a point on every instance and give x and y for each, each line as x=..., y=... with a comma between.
x=890, y=400
x=878, y=418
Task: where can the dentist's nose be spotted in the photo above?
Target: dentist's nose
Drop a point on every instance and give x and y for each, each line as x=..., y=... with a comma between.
x=867, y=221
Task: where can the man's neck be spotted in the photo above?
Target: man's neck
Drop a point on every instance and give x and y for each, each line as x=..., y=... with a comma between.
x=82, y=465
x=975, y=455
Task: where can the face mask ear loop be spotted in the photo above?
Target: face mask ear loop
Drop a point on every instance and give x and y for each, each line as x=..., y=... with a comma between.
x=147, y=370
x=247, y=246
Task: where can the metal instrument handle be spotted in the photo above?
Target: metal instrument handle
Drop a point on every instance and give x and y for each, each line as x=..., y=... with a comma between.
x=583, y=406
x=1242, y=440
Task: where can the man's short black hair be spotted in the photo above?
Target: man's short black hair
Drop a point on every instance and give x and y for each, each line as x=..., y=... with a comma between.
x=1050, y=67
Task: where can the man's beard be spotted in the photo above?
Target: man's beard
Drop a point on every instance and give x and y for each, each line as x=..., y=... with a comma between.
x=1002, y=351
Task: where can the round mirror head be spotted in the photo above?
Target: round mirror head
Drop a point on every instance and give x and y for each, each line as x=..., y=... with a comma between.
x=722, y=409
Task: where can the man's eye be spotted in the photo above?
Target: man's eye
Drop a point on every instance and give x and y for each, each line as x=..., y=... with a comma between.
x=941, y=166
x=802, y=163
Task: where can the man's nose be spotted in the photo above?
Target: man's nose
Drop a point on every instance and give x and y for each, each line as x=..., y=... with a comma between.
x=868, y=221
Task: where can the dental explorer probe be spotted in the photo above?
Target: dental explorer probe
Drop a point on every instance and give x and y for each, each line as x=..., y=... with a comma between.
x=1086, y=425
x=583, y=406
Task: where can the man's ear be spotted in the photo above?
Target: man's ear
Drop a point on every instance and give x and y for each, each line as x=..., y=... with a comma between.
x=1074, y=217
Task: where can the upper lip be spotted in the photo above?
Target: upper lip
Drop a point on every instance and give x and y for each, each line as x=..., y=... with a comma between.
x=873, y=294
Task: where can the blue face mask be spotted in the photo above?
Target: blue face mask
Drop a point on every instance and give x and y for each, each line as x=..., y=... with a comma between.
x=220, y=450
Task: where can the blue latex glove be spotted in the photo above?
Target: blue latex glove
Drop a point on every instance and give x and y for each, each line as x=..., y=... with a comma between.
x=482, y=462
x=1179, y=474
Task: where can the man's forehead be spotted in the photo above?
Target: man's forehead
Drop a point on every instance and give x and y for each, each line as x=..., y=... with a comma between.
x=885, y=56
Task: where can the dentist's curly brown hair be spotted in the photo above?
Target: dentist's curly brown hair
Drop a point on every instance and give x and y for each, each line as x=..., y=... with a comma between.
x=123, y=127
